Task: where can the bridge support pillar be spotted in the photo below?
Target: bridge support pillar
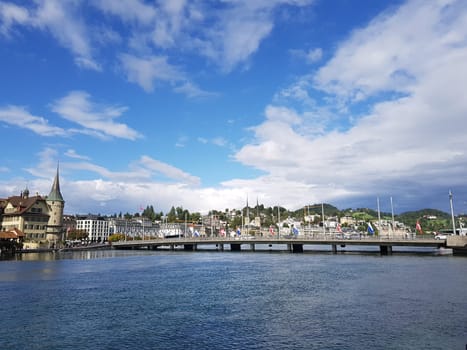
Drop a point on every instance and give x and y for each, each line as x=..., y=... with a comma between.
x=221, y=247
x=297, y=248
x=334, y=248
x=385, y=249
x=289, y=247
x=252, y=247
x=172, y=247
x=188, y=247
x=235, y=247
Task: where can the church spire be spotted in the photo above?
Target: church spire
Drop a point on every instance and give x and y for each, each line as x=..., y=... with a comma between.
x=55, y=194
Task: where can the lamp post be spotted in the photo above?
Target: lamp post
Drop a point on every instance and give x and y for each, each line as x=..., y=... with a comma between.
x=452, y=214
x=322, y=213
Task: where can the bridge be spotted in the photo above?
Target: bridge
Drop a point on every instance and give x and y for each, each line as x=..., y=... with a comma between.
x=292, y=244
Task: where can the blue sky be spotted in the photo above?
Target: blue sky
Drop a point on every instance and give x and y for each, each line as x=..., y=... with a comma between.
x=202, y=104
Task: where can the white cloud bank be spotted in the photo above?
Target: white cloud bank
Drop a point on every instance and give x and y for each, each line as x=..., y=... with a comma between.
x=413, y=63
x=409, y=66
x=227, y=34
x=97, y=120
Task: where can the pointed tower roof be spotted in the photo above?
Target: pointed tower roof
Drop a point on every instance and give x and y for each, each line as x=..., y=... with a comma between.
x=55, y=194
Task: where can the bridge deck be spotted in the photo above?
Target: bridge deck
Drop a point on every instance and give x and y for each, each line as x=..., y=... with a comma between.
x=388, y=242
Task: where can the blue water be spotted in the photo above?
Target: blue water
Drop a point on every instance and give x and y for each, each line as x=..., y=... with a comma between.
x=214, y=300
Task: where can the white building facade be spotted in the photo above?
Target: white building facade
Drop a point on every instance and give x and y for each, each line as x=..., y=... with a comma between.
x=98, y=228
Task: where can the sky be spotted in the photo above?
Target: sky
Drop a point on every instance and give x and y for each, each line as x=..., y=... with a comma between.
x=207, y=104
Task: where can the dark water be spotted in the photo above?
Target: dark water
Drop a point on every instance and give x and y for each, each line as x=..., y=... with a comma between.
x=212, y=300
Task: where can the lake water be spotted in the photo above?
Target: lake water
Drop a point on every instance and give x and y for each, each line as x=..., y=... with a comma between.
x=225, y=300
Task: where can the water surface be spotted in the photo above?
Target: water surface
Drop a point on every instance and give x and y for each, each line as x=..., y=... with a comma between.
x=214, y=300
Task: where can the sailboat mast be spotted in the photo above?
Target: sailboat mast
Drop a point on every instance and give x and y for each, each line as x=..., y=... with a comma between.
x=452, y=214
x=392, y=213
x=379, y=215
x=322, y=214
x=278, y=222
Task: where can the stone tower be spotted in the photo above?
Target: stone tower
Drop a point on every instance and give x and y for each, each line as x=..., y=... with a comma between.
x=56, y=205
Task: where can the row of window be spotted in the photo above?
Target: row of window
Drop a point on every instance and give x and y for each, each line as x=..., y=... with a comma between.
x=35, y=227
x=27, y=218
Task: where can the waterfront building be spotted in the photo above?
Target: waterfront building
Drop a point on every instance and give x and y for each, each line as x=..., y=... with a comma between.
x=137, y=227
x=348, y=221
x=97, y=227
x=40, y=218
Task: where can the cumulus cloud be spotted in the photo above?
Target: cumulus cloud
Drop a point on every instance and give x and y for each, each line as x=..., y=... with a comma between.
x=107, y=189
x=409, y=66
x=396, y=50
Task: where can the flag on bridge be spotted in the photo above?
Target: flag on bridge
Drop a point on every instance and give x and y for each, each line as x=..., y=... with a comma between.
x=339, y=228
x=418, y=227
x=295, y=231
x=370, y=229
x=196, y=233
x=238, y=231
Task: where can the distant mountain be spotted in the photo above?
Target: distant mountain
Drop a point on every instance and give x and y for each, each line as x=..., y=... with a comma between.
x=329, y=210
x=430, y=219
x=424, y=213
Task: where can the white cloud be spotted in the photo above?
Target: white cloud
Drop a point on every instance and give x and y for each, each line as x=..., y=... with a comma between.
x=72, y=154
x=46, y=167
x=11, y=14
x=192, y=91
x=405, y=143
x=60, y=18
x=314, y=55
x=145, y=71
x=238, y=30
x=396, y=50
x=149, y=71
x=227, y=34
x=108, y=191
x=129, y=10
x=77, y=107
x=20, y=117
x=168, y=170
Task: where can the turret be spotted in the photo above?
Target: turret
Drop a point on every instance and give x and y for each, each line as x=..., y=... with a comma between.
x=56, y=205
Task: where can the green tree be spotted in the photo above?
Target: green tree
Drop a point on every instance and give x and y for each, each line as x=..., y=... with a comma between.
x=76, y=234
x=172, y=215
x=116, y=237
